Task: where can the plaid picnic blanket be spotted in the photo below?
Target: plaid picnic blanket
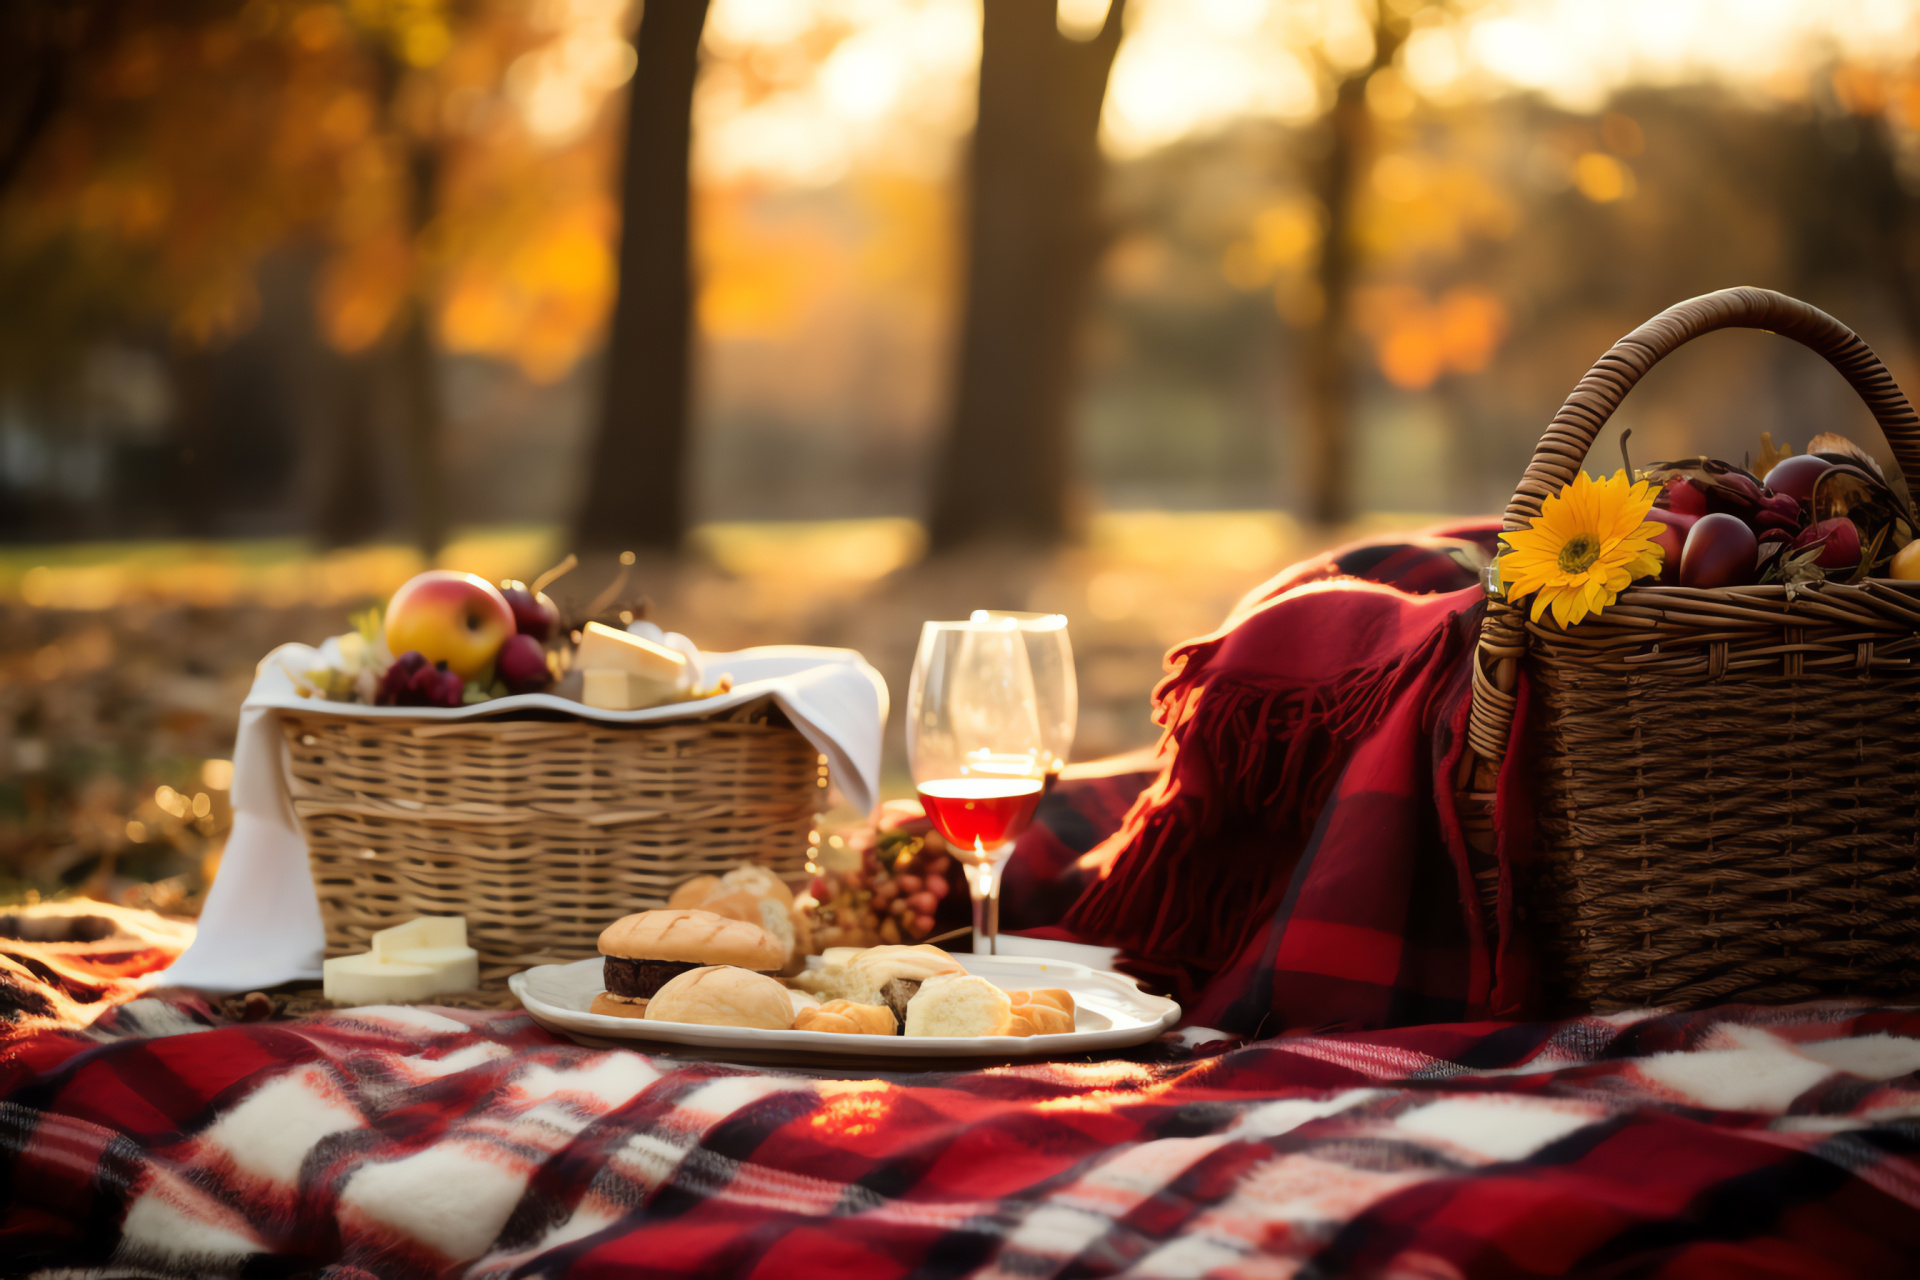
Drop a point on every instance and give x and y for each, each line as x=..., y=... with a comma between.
x=165, y=1140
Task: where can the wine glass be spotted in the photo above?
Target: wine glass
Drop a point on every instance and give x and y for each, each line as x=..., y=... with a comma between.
x=977, y=747
x=1056, y=694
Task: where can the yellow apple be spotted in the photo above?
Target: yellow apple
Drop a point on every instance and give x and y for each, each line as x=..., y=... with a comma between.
x=1906, y=562
x=456, y=618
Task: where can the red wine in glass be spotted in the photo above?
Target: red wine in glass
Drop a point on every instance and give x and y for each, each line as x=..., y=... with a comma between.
x=977, y=814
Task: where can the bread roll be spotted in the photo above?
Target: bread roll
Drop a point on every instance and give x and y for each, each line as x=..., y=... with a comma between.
x=755, y=895
x=691, y=937
x=723, y=996
x=843, y=1017
x=1041, y=1013
x=758, y=881
x=616, y=1007
x=697, y=892
x=958, y=1004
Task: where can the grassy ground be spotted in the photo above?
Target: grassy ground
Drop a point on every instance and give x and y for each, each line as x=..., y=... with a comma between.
x=123, y=666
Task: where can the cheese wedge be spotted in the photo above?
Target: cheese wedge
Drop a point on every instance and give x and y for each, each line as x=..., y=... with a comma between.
x=421, y=931
x=623, y=690
x=602, y=648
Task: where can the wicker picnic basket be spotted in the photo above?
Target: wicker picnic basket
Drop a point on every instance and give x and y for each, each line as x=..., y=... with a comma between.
x=1727, y=781
x=539, y=831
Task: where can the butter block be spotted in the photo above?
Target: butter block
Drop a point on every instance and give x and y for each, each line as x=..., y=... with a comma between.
x=613, y=690
x=602, y=648
x=367, y=979
x=425, y=957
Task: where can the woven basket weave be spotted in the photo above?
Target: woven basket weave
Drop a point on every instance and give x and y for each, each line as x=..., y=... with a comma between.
x=539, y=831
x=1727, y=781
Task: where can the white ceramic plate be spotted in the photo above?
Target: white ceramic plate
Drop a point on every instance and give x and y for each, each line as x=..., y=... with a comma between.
x=1110, y=1012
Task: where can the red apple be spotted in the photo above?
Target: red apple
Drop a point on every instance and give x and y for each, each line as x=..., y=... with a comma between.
x=533, y=613
x=1721, y=551
x=1840, y=543
x=1795, y=475
x=456, y=620
x=523, y=665
x=1671, y=540
x=1686, y=498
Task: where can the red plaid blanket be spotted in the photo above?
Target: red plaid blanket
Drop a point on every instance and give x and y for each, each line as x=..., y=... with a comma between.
x=393, y=1142
x=1297, y=863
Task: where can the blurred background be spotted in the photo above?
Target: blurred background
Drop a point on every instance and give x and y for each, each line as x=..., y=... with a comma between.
x=841, y=314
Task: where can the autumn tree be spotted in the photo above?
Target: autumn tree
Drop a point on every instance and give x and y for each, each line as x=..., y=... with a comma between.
x=636, y=493
x=1034, y=237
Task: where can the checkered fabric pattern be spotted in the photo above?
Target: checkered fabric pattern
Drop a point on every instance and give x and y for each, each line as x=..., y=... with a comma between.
x=401, y=1142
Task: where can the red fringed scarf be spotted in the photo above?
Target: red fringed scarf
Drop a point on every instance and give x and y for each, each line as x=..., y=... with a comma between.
x=1298, y=862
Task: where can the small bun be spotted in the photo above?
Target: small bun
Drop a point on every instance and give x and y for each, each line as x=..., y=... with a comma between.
x=613, y=1006
x=958, y=1004
x=723, y=996
x=1041, y=1013
x=759, y=882
x=843, y=1017
x=696, y=892
x=692, y=937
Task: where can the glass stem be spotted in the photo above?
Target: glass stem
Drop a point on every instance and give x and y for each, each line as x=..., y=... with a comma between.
x=983, y=883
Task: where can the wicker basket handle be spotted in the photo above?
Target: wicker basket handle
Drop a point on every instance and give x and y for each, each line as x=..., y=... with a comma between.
x=1563, y=449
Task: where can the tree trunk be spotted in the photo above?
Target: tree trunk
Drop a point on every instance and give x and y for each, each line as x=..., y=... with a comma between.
x=1034, y=237
x=1329, y=374
x=416, y=362
x=347, y=507
x=636, y=494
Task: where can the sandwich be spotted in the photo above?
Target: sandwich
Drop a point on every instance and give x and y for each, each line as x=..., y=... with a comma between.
x=723, y=996
x=646, y=951
x=959, y=1004
x=881, y=975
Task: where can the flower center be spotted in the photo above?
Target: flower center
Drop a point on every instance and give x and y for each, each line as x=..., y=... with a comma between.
x=1578, y=555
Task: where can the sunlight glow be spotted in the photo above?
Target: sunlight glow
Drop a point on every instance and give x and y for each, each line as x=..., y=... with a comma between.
x=1189, y=66
x=560, y=86
x=893, y=88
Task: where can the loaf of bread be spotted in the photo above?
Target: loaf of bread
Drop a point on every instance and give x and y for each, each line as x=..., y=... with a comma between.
x=723, y=996
x=1048, y=1012
x=843, y=1017
x=959, y=1004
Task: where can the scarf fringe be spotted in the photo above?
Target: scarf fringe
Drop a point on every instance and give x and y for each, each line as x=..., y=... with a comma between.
x=1170, y=888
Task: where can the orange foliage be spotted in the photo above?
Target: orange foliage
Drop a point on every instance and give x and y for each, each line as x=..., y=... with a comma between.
x=1415, y=341
x=189, y=149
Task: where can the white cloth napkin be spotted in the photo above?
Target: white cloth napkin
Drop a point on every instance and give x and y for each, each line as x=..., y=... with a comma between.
x=261, y=923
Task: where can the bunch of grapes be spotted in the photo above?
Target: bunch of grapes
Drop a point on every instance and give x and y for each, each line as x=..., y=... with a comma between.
x=412, y=681
x=883, y=884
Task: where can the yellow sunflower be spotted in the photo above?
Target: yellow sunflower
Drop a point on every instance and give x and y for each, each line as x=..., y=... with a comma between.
x=1589, y=541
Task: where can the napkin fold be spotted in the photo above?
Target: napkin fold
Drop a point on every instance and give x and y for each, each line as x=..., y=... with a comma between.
x=261, y=922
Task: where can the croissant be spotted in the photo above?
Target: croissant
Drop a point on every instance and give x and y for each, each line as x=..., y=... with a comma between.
x=844, y=1017
x=1041, y=1013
